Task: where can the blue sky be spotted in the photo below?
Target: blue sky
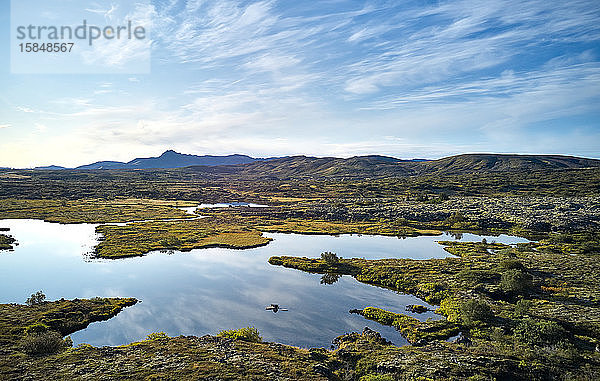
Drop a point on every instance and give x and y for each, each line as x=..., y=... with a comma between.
x=342, y=78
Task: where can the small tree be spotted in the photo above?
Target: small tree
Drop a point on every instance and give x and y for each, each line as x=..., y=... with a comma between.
x=473, y=311
x=330, y=258
x=516, y=282
x=37, y=298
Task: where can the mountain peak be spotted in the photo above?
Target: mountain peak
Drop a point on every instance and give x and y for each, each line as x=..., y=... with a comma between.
x=169, y=152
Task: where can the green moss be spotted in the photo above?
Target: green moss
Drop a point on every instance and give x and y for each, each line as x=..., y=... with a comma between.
x=139, y=238
x=415, y=331
x=62, y=316
x=93, y=210
x=246, y=334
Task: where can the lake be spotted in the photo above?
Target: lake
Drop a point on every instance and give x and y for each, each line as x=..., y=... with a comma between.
x=208, y=290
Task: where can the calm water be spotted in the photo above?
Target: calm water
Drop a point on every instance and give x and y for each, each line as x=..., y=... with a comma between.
x=208, y=290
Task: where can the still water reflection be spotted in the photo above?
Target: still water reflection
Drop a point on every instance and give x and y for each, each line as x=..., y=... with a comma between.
x=208, y=290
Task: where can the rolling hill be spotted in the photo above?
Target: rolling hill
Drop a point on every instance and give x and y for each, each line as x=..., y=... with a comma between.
x=382, y=166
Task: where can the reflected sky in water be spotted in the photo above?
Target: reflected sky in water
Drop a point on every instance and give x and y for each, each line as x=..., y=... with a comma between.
x=208, y=290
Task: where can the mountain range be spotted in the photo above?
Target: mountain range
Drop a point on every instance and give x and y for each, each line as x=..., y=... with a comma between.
x=358, y=166
x=169, y=159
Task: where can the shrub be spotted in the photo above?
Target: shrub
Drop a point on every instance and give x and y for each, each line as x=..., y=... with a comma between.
x=246, y=334
x=516, y=281
x=37, y=298
x=156, y=336
x=44, y=343
x=540, y=333
x=330, y=258
x=36, y=328
x=511, y=264
x=474, y=277
x=473, y=311
x=522, y=307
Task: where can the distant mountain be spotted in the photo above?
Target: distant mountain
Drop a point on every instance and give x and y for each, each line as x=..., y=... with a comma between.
x=172, y=159
x=51, y=168
x=169, y=159
x=104, y=165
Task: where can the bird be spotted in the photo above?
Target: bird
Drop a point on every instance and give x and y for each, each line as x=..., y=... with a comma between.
x=275, y=308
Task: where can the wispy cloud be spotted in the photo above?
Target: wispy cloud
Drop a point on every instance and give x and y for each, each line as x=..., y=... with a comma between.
x=268, y=77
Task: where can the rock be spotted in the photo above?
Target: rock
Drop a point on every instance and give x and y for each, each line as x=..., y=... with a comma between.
x=416, y=308
x=375, y=336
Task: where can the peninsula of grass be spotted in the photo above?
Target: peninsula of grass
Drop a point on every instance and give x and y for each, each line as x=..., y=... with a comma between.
x=62, y=316
x=139, y=238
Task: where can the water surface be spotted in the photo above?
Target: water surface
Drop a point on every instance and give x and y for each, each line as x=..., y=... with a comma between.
x=208, y=290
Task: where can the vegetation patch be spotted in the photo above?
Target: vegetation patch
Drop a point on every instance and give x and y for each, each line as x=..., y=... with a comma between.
x=92, y=210
x=249, y=334
x=139, y=238
x=413, y=330
x=6, y=242
x=61, y=316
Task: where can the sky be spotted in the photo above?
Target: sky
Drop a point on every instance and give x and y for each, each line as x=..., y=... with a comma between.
x=410, y=79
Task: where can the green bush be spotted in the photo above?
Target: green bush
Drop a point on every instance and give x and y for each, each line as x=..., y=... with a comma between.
x=474, y=277
x=523, y=307
x=246, y=334
x=516, y=282
x=156, y=336
x=456, y=217
x=473, y=311
x=511, y=264
x=44, y=343
x=539, y=333
x=330, y=258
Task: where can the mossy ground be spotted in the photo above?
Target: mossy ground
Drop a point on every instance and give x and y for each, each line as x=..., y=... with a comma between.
x=159, y=357
x=560, y=297
x=139, y=238
x=511, y=344
x=63, y=316
x=92, y=210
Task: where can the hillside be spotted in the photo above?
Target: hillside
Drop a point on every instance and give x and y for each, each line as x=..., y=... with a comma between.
x=470, y=163
x=382, y=166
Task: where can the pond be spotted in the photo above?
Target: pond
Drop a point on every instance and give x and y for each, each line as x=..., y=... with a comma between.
x=208, y=290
